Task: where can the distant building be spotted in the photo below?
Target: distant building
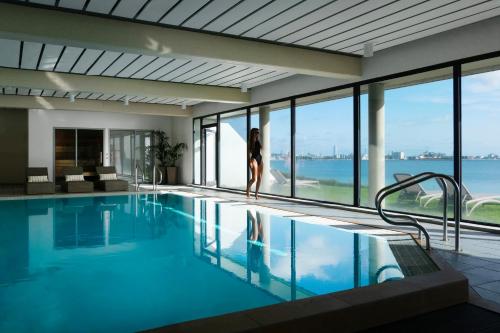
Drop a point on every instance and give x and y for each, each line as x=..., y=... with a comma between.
x=398, y=155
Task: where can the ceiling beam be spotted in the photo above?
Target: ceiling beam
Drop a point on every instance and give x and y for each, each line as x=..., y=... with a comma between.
x=23, y=78
x=55, y=103
x=70, y=29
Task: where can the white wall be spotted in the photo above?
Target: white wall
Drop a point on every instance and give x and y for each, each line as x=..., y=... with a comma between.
x=182, y=131
x=41, y=124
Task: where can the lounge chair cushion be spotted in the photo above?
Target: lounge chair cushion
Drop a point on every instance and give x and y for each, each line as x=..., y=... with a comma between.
x=38, y=179
x=74, y=178
x=107, y=176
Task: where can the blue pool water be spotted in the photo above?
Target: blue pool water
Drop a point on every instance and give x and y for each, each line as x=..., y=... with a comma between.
x=132, y=262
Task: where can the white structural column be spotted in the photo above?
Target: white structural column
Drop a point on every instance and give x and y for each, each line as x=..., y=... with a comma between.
x=376, y=140
x=265, y=137
x=106, y=152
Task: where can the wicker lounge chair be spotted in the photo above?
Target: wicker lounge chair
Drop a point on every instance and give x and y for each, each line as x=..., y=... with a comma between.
x=38, y=187
x=76, y=186
x=110, y=185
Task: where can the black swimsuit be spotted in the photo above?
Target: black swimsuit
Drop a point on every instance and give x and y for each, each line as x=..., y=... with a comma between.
x=256, y=152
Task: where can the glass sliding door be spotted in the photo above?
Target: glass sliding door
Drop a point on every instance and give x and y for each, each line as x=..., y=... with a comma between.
x=129, y=147
x=233, y=150
x=407, y=129
x=274, y=121
x=480, y=143
x=209, y=155
x=324, y=147
x=89, y=150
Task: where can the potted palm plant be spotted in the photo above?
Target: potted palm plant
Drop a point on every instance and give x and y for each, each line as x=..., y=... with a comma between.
x=167, y=155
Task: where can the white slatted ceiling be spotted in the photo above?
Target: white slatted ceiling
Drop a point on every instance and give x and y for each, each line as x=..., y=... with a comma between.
x=314, y=23
x=22, y=91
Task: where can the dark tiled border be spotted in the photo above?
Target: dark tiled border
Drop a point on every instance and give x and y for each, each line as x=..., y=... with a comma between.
x=345, y=311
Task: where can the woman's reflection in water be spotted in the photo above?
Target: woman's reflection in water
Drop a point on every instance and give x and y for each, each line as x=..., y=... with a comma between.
x=258, y=242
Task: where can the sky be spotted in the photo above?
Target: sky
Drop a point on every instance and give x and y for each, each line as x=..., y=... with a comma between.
x=418, y=118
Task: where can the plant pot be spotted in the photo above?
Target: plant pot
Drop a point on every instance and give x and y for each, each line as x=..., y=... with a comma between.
x=171, y=175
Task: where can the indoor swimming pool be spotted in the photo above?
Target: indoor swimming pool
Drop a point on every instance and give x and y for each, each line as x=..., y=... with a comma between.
x=124, y=263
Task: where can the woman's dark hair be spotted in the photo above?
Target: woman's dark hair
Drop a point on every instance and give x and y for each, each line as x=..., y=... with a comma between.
x=252, y=139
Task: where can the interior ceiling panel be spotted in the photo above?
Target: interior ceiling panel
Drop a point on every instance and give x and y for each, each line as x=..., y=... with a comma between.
x=333, y=25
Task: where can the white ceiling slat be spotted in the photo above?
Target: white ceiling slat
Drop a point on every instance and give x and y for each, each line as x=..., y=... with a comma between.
x=194, y=71
x=72, y=4
x=59, y=94
x=183, y=11
x=35, y=92
x=233, y=76
x=9, y=53
x=116, y=97
x=430, y=29
x=94, y=96
x=101, y=6
x=158, y=63
x=260, y=16
x=23, y=91
x=135, y=98
x=193, y=64
x=323, y=28
x=221, y=75
x=49, y=57
x=208, y=13
x=201, y=69
x=104, y=97
x=235, y=14
x=86, y=60
x=248, y=82
x=155, y=10
x=48, y=93
x=416, y=23
x=285, y=17
x=9, y=90
x=356, y=28
x=44, y=2
x=214, y=71
x=31, y=51
x=83, y=95
x=104, y=61
x=120, y=64
x=294, y=30
x=239, y=80
x=68, y=58
x=166, y=69
x=135, y=66
x=268, y=80
x=128, y=8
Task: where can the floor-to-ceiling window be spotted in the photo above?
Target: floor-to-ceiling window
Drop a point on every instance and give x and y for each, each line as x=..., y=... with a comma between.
x=480, y=140
x=407, y=128
x=233, y=150
x=324, y=147
x=273, y=121
x=209, y=151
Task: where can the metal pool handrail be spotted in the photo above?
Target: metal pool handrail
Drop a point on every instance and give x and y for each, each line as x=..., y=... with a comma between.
x=410, y=181
x=137, y=168
x=155, y=184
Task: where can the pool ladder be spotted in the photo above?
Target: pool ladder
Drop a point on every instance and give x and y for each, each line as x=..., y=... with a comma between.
x=136, y=176
x=412, y=221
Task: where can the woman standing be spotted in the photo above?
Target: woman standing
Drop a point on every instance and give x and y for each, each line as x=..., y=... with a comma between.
x=255, y=161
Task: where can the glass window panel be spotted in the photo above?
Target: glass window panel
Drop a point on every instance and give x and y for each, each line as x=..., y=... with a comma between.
x=197, y=152
x=407, y=128
x=89, y=150
x=273, y=120
x=233, y=150
x=480, y=144
x=324, y=147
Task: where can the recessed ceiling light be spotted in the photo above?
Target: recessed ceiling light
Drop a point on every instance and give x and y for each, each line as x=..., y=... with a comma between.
x=72, y=97
x=126, y=101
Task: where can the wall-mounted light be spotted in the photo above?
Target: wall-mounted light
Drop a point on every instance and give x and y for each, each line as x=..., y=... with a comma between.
x=368, y=49
x=244, y=88
x=126, y=100
x=72, y=97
